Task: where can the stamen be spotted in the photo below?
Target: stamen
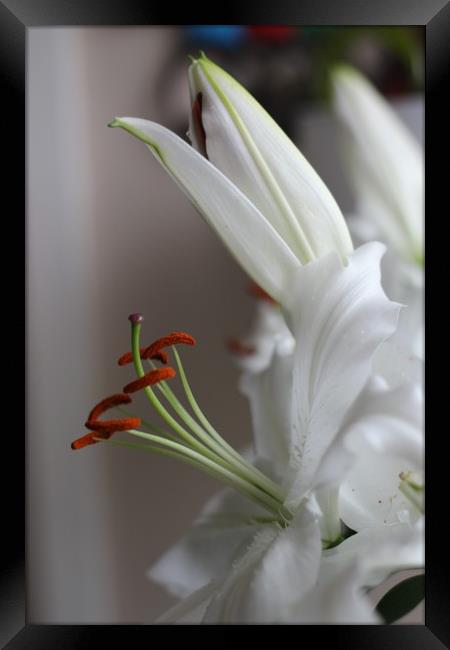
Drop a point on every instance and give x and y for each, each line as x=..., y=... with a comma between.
x=204, y=448
x=104, y=429
x=111, y=426
x=150, y=378
x=154, y=351
x=85, y=440
x=173, y=338
x=107, y=403
x=257, y=292
x=128, y=357
x=239, y=348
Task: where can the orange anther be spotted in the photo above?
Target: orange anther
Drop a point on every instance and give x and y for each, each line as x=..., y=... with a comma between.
x=257, y=292
x=240, y=349
x=152, y=377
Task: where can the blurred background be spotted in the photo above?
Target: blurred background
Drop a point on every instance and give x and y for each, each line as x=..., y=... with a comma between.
x=109, y=234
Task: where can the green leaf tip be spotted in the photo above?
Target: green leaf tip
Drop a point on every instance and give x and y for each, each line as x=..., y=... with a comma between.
x=114, y=122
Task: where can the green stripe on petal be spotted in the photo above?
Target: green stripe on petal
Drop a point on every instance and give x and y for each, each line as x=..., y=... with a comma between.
x=244, y=230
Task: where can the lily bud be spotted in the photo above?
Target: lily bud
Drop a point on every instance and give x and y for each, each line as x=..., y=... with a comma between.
x=241, y=139
x=249, y=181
x=385, y=162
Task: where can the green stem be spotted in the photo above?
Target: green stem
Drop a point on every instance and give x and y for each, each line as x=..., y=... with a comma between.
x=191, y=457
x=264, y=481
x=154, y=401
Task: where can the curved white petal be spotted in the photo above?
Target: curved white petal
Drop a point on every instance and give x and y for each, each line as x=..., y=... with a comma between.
x=191, y=609
x=395, y=366
x=339, y=316
x=404, y=281
x=269, y=332
x=337, y=598
x=270, y=397
x=245, y=232
x=227, y=523
x=383, y=550
x=386, y=162
x=250, y=148
x=385, y=432
x=276, y=570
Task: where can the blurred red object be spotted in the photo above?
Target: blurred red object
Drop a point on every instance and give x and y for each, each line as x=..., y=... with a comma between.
x=274, y=33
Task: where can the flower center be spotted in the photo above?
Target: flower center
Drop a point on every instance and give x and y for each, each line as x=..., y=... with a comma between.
x=189, y=435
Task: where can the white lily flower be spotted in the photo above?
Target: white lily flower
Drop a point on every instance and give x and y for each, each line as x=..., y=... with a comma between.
x=385, y=161
x=270, y=568
x=287, y=232
x=339, y=318
x=257, y=191
x=385, y=165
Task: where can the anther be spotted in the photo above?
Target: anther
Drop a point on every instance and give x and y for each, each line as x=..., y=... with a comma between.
x=128, y=357
x=240, y=349
x=112, y=426
x=257, y=292
x=85, y=440
x=107, y=403
x=152, y=377
x=173, y=338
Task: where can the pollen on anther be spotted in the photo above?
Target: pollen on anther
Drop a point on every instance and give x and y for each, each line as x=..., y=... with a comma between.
x=107, y=403
x=84, y=441
x=128, y=357
x=113, y=426
x=174, y=338
x=152, y=377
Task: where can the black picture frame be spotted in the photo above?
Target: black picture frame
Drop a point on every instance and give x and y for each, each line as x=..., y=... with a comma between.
x=16, y=16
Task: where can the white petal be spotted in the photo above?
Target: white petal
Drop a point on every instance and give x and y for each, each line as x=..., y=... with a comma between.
x=276, y=570
x=191, y=609
x=269, y=332
x=404, y=281
x=370, y=495
x=242, y=228
x=339, y=316
x=227, y=522
x=270, y=396
x=395, y=366
x=385, y=432
x=250, y=148
x=336, y=599
x=386, y=161
x=383, y=550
